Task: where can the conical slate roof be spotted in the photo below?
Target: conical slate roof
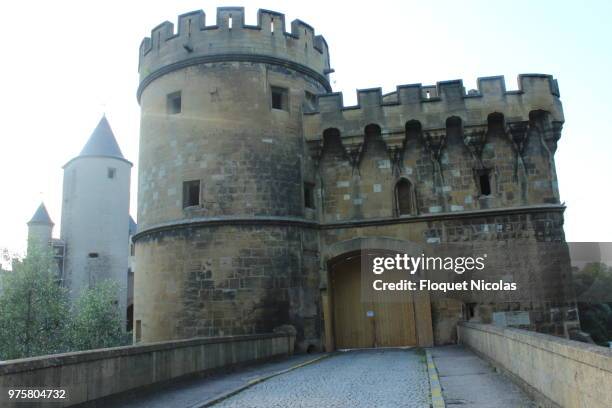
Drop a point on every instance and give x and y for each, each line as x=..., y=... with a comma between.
x=41, y=216
x=102, y=142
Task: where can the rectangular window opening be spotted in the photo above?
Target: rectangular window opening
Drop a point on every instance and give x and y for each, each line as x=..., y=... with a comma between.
x=280, y=98
x=309, y=201
x=93, y=255
x=191, y=193
x=111, y=172
x=173, y=103
x=484, y=180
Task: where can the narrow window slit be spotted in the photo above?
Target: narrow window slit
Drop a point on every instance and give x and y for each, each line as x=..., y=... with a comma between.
x=485, y=185
x=484, y=182
x=404, y=197
x=309, y=201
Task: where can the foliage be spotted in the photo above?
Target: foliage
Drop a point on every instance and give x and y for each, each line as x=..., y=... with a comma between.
x=593, y=283
x=33, y=307
x=96, y=321
x=593, y=286
x=36, y=317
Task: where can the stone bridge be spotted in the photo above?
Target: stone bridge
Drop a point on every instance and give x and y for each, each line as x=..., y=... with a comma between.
x=491, y=367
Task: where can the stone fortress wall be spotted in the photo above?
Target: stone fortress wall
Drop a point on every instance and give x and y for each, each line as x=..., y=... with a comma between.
x=440, y=140
x=254, y=253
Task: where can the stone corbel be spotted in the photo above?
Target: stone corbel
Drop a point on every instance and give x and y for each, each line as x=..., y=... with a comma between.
x=435, y=140
x=474, y=138
x=354, y=154
x=517, y=133
x=354, y=150
x=552, y=135
x=188, y=45
x=395, y=150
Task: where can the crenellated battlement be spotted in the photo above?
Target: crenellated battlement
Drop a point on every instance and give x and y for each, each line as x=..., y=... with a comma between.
x=230, y=39
x=432, y=105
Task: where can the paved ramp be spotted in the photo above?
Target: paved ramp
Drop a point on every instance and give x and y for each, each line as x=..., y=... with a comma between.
x=469, y=382
x=371, y=378
x=354, y=379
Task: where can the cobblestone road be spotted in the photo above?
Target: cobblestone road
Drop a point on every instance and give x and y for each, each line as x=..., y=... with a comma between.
x=355, y=379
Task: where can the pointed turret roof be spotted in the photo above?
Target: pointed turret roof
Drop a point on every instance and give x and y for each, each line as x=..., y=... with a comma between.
x=41, y=216
x=102, y=142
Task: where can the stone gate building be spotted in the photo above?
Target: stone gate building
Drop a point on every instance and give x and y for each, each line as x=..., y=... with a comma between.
x=258, y=190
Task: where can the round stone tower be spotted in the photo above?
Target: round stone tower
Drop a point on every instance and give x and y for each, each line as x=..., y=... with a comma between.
x=225, y=244
x=95, y=214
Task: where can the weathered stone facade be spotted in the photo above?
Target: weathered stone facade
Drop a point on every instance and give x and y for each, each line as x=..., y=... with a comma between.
x=288, y=182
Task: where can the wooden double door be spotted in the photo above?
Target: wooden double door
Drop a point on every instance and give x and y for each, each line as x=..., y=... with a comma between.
x=372, y=323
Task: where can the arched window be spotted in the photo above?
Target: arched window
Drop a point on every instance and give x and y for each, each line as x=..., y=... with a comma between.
x=537, y=116
x=372, y=139
x=413, y=130
x=454, y=128
x=332, y=143
x=404, y=197
x=372, y=131
x=495, y=124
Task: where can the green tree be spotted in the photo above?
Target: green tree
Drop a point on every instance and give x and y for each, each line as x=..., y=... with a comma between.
x=593, y=286
x=95, y=321
x=593, y=283
x=33, y=307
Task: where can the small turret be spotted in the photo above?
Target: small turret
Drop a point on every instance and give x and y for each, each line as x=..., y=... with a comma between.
x=40, y=227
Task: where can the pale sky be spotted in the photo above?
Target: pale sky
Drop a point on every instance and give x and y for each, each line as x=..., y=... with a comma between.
x=65, y=63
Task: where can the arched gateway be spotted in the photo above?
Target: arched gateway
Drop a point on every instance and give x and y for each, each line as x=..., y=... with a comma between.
x=358, y=318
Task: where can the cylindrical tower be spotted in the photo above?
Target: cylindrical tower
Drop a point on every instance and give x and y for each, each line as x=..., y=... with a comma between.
x=40, y=228
x=95, y=215
x=225, y=243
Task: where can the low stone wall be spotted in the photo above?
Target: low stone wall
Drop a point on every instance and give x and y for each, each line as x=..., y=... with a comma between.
x=555, y=371
x=90, y=375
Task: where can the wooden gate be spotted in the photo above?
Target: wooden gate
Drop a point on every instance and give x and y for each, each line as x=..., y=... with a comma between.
x=374, y=323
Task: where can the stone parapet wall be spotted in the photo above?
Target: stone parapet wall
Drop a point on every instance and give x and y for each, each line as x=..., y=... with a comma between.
x=230, y=39
x=431, y=105
x=90, y=375
x=556, y=371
